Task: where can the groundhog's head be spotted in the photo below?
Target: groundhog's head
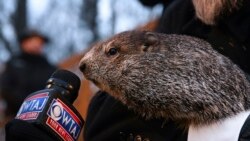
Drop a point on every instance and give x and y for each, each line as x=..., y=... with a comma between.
x=170, y=76
x=110, y=59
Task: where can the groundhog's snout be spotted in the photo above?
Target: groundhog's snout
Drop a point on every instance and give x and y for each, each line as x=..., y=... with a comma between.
x=82, y=67
x=83, y=64
x=85, y=61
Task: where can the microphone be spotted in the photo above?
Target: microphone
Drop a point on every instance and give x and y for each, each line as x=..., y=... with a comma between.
x=51, y=109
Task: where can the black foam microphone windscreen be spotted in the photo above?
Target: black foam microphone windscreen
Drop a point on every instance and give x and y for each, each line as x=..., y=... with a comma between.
x=51, y=109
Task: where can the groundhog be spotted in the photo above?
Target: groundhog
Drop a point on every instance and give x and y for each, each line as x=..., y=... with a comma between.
x=168, y=76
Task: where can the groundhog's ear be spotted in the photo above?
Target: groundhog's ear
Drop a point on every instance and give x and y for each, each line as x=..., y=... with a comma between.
x=150, y=39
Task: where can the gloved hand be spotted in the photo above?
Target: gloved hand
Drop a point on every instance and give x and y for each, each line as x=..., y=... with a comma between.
x=19, y=130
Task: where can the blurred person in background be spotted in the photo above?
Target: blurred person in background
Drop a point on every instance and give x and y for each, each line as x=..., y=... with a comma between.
x=26, y=72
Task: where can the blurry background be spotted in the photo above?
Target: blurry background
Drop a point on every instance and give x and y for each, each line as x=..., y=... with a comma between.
x=70, y=24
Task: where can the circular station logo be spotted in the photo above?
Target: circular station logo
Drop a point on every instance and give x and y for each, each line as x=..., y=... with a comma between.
x=56, y=111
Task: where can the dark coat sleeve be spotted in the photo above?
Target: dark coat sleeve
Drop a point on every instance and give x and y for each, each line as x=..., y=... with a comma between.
x=245, y=131
x=109, y=120
x=19, y=130
x=11, y=94
x=150, y=2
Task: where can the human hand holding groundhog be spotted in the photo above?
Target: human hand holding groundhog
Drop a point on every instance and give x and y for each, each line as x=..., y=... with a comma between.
x=169, y=76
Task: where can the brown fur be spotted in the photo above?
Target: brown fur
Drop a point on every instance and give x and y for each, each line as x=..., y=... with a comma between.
x=208, y=11
x=170, y=76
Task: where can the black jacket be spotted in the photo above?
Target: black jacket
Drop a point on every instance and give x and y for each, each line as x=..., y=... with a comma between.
x=110, y=120
x=23, y=75
x=245, y=131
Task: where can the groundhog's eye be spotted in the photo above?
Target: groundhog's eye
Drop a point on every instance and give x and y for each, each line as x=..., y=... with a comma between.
x=112, y=51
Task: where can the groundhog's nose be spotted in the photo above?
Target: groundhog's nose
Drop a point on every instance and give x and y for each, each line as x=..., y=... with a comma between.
x=82, y=67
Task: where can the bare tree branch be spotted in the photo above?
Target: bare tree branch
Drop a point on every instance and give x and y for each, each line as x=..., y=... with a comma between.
x=20, y=16
x=89, y=14
x=5, y=42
